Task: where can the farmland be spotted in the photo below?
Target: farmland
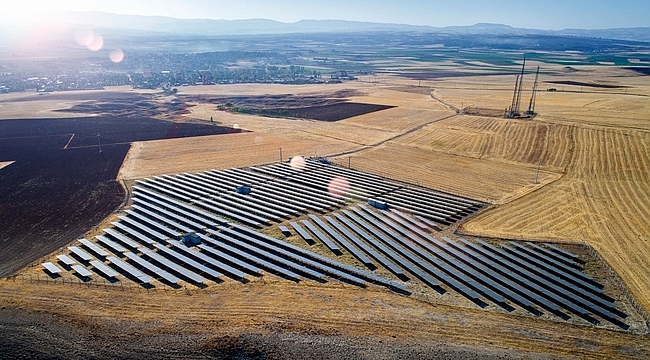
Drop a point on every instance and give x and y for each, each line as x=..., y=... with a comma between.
x=577, y=173
x=60, y=185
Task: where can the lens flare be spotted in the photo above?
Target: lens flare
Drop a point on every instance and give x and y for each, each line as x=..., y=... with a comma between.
x=84, y=37
x=116, y=55
x=96, y=44
x=338, y=187
x=298, y=163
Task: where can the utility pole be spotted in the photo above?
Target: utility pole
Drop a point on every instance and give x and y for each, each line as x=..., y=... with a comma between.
x=539, y=162
x=280, y=154
x=349, y=157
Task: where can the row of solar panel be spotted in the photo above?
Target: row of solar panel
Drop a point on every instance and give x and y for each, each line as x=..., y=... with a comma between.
x=527, y=275
x=157, y=218
x=442, y=208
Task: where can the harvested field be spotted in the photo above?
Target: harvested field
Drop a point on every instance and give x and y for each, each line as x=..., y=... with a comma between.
x=498, y=139
x=60, y=184
x=220, y=152
x=602, y=200
x=485, y=180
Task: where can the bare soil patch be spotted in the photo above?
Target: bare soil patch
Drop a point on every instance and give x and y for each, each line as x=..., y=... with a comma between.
x=52, y=194
x=325, y=107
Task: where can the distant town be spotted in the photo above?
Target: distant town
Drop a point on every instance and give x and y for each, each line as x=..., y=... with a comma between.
x=165, y=71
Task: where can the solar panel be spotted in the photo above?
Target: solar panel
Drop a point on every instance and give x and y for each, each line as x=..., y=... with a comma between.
x=207, y=259
x=80, y=253
x=110, y=243
x=275, y=200
x=125, y=240
x=380, y=259
x=565, y=282
x=242, y=176
x=173, y=266
x=410, y=262
x=411, y=220
x=221, y=209
x=363, y=246
x=193, y=184
x=130, y=270
x=261, y=205
x=300, y=201
x=149, y=222
x=149, y=184
x=251, y=175
x=322, y=237
x=428, y=222
x=153, y=268
x=172, y=215
x=164, y=219
x=251, y=257
x=298, y=257
x=136, y=234
x=504, y=285
x=246, y=209
x=557, y=268
x=233, y=260
x=215, y=176
x=303, y=234
x=552, y=255
x=423, y=264
x=502, y=275
x=102, y=268
x=92, y=246
x=563, y=252
x=285, y=230
x=178, y=185
x=66, y=260
x=194, y=212
x=324, y=259
x=315, y=196
x=184, y=259
x=341, y=240
x=82, y=271
x=568, y=299
x=51, y=267
x=268, y=255
x=440, y=258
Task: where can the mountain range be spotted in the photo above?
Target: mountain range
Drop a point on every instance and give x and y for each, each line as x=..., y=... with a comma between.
x=210, y=27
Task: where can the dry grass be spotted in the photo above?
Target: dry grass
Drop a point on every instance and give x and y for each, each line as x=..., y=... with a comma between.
x=484, y=180
x=319, y=309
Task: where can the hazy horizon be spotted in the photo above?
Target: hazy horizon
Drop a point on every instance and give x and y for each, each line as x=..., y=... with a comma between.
x=551, y=15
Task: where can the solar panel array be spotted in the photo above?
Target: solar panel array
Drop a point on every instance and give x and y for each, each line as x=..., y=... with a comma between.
x=145, y=244
x=513, y=273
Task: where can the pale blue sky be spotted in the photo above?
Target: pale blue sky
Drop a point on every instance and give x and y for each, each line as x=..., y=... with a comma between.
x=540, y=14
